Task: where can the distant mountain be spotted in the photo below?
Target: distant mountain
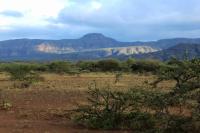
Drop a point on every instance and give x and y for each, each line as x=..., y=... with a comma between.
x=90, y=46
x=167, y=43
x=179, y=51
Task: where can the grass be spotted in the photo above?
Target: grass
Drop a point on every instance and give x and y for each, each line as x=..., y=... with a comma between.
x=48, y=100
x=56, y=86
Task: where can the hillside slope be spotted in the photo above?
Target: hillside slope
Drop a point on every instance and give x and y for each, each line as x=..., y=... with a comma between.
x=179, y=51
x=90, y=46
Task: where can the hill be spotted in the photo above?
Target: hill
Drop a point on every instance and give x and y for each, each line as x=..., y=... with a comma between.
x=90, y=46
x=179, y=51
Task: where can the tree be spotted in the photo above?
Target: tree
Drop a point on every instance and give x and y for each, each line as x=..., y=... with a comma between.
x=60, y=67
x=145, y=66
x=87, y=66
x=109, y=65
x=187, y=76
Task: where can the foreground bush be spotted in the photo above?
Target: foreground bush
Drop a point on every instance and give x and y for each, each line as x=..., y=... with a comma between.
x=135, y=110
x=113, y=110
x=148, y=111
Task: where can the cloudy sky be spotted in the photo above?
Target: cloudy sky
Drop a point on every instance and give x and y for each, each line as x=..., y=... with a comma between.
x=125, y=20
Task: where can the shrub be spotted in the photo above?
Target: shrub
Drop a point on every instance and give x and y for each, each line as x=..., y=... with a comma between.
x=147, y=111
x=187, y=76
x=145, y=66
x=109, y=65
x=4, y=103
x=140, y=122
x=59, y=67
x=118, y=77
x=18, y=71
x=104, y=111
x=108, y=109
x=23, y=73
x=179, y=124
x=90, y=66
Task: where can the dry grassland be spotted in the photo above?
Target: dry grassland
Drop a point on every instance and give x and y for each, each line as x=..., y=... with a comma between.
x=42, y=107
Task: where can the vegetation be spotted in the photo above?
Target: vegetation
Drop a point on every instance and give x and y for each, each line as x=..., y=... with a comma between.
x=150, y=111
x=108, y=109
x=143, y=66
x=5, y=104
x=139, y=109
x=24, y=73
x=109, y=65
x=59, y=67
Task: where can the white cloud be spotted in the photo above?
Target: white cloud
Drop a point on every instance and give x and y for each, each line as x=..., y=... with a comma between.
x=35, y=12
x=34, y=7
x=96, y=5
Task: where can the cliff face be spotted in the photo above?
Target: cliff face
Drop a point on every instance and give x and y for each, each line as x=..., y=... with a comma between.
x=128, y=50
x=47, y=48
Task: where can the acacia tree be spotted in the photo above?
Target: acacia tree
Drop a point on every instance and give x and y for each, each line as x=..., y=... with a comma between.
x=186, y=74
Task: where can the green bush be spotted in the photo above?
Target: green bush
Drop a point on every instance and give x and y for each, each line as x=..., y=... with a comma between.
x=108, y=109
x=140, y=122
x=23, y=73
x=90, y=66
x=104, y=111
x=187, y=76
x=109, y=65
x=18, y=71
x=146, y=66
x=178, y=124
x=60, y=67
x=147, y=111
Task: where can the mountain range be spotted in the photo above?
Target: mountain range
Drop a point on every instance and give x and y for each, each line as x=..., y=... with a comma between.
x=96, y=46
x=179, y=51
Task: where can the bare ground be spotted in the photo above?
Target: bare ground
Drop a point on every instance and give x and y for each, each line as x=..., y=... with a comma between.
x=43, y=107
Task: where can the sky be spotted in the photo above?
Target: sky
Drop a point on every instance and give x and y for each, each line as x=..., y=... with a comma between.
x=124, y=20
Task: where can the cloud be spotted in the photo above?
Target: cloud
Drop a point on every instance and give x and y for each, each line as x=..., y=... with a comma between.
x=125, y=20
x=50, y=31
x=135, y=19
x=10, y=13
x=101, y=12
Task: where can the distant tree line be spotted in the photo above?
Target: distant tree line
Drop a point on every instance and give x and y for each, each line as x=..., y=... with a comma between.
x=108, y=65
